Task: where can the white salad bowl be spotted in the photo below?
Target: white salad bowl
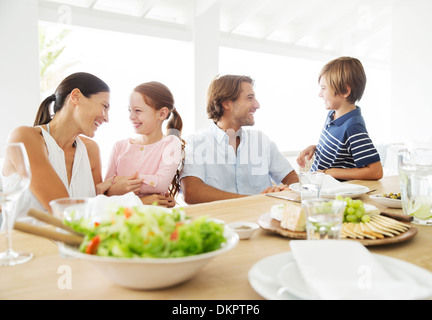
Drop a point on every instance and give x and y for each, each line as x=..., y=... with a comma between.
x=136, y=273
x=152, y=273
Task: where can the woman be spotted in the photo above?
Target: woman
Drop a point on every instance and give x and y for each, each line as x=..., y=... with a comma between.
x=64, y=161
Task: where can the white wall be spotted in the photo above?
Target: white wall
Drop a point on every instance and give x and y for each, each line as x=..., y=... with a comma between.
x=411, y=113
x=19, y=64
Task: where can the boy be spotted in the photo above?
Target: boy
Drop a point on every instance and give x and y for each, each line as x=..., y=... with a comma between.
x=344, y=150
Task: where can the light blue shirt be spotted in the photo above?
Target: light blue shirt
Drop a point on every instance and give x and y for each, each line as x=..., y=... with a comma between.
x=257, y=163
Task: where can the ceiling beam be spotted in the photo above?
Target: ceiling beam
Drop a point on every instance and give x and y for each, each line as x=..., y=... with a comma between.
x=90, y=18
x=288, y=12
x=318, y=17
x=285, y=49
x=356, y=35
x=273, y=47
x=91, y=4
x=146, y=7
x=239, y=17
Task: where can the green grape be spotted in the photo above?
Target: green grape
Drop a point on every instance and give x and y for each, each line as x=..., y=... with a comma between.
x=354, y=210
x=359, y=213
x=351, y=218
x=357, y=203
x=365, y=218
x=349, y=210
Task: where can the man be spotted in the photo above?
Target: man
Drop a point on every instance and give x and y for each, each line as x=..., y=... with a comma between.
x=225, y=161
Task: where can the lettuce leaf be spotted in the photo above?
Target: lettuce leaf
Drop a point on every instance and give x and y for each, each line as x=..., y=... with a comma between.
x=151, y=231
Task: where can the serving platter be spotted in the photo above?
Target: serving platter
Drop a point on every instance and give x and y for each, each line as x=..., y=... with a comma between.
x=266, y=222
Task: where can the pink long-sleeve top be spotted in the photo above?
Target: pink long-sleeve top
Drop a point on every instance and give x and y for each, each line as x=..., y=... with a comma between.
x=156, y=163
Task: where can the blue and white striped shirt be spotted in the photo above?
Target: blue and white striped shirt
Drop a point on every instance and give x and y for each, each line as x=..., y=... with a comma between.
x=344, y=143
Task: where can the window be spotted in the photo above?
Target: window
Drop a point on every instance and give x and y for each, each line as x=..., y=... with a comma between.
x=291, y=112
x=123, y=61
x=287, y=88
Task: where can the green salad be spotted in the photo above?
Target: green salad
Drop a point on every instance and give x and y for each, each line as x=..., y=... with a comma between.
x=148, y=231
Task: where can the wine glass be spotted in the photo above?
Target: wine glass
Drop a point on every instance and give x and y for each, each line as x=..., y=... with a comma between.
x=15, y=178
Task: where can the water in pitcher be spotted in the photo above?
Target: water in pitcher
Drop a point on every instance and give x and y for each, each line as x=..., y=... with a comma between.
x=415, y=176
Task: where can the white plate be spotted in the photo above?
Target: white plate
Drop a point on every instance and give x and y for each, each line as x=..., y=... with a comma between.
x=278, y=278
x=291, y=281
x=361, y=190
x=263, y=277
x=391, y=203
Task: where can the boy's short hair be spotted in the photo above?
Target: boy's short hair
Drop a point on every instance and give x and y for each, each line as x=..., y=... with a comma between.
x=345, y=72
x=224, y=88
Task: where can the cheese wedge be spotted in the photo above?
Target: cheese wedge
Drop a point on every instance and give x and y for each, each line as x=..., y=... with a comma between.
x=277, y=210
x=293, y=218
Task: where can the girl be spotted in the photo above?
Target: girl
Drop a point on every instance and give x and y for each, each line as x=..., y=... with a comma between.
x=149, y=163
x=63, y=162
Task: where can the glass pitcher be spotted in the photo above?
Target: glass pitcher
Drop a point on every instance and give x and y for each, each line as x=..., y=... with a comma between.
x=415, y=176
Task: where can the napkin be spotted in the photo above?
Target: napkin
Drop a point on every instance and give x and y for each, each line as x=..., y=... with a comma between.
x=101, y=206
x=345, y=269
x=332, y=186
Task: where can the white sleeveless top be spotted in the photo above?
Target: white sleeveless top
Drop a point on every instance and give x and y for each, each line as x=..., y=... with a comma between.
x=81, y=184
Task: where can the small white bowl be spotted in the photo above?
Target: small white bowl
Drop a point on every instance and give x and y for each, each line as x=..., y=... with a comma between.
x=388, y=202
x=244, y=229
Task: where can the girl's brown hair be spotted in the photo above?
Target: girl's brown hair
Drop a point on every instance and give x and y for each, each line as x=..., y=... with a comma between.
x=158, y=96
x=345, y=72
x=87, y=83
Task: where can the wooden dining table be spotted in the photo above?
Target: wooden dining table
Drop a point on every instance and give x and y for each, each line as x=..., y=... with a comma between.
x=223, y=278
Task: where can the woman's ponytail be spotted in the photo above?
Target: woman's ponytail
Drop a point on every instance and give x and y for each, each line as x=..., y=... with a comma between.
x=43, y=115
x=87, y=83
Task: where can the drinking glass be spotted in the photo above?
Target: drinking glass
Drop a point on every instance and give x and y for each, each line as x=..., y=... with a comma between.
x=324, y=218
x=415, y=176
x=70, y=208
x=310, y=184
x=15, y=178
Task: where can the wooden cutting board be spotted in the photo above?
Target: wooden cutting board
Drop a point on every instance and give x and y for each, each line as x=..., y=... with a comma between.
x=266, y=222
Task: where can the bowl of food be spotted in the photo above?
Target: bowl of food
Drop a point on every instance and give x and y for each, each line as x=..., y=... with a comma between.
x=391, y=200
x=244, y=229
x=147, y=247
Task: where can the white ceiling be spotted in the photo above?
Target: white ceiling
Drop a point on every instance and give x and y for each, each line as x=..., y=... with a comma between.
x=332, y=27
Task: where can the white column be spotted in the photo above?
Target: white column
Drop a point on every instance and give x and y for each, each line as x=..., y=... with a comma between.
x=206, y=49
x=411, y=111
x=19, y=64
